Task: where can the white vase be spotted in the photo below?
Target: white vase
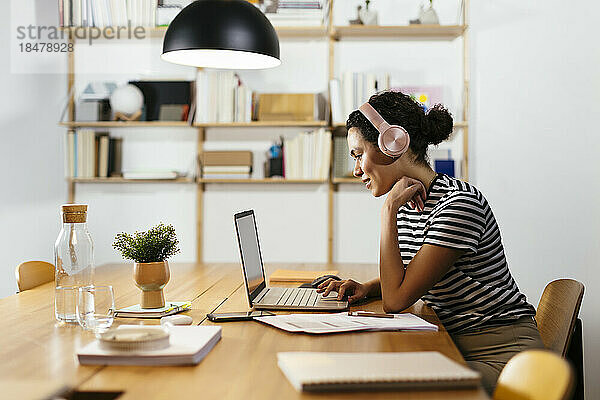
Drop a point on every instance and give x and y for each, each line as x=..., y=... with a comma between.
x=429, y=16
x=368, y=17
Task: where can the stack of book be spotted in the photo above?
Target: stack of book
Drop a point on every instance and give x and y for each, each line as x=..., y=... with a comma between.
x=352, y=91
x=299, y=13
x=307, y=155
x=91, y=154
x=102, y=13
x=226, y=164
x=221, y=96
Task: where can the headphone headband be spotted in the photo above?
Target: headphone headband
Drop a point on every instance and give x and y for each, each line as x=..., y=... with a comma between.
x=393, y=139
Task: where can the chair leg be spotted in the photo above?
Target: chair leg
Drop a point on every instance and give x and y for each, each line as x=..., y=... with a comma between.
x=575, y=356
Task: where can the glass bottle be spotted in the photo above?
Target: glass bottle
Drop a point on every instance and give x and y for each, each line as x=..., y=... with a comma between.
x=74, y=260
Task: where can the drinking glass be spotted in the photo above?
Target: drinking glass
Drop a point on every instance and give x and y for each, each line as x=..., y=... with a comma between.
x=95, y=307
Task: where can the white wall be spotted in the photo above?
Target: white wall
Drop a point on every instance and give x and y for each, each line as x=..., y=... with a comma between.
x=535, y=90
x=31, y=184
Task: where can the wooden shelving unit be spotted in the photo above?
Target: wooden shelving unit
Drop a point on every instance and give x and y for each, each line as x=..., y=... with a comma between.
x=332, y=35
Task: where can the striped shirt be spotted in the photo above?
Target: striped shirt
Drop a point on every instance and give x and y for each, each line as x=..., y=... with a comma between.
x=478, y=289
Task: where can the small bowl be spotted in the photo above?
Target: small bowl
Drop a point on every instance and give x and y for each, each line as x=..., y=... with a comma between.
x=134, y=339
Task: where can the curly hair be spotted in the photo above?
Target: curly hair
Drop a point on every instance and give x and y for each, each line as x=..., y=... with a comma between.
x=424, y=128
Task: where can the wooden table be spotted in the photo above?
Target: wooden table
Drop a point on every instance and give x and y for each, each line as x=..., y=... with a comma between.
x=36, y=351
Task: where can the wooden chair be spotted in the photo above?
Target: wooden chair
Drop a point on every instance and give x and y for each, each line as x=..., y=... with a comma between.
x=33, y=273
x=557, y=313
x=535, y=375
x=559, y=327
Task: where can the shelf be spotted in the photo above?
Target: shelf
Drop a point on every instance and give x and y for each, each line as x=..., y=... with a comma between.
x=123, y=180
x=458, y=124
x=183, y=124
x=126, y=124
x=259, y=124
x=446, y=32
x=187, y=180
x=265, y=180
x=81, y=33
x=301, y=31
x=346, y=180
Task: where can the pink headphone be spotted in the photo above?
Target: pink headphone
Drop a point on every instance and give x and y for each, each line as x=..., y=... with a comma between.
x=393, y=139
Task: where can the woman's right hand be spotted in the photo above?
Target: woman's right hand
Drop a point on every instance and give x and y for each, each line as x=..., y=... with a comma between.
x=354, y=290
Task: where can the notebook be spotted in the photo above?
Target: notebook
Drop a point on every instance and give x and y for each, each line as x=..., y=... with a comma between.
x=136, y=311
x=188, y=346
x=408, y=370
x=287, y=275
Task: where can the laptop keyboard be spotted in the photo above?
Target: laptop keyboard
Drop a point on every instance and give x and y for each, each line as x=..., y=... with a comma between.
x=297, y=297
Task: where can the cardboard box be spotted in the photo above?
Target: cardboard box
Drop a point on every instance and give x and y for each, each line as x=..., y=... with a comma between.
x=224, y=158
x=291, y=107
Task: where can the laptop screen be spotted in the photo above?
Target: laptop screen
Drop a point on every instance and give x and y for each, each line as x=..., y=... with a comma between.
x=252, y=265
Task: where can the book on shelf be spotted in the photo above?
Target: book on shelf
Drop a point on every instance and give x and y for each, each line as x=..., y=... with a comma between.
x=335, y=101
x=90, y=154
x=221, y=96
x=105, y=13
x=357, y=87
x=343, y=164
x=298, y=13
x=188, y=346
x=306, y=156
x=150, y=175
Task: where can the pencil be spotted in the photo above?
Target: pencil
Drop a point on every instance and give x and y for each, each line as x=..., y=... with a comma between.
x=369, y=314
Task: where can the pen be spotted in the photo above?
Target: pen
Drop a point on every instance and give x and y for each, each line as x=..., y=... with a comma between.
x=369, y=314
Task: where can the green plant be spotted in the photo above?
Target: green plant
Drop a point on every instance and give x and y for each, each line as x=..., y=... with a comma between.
x=157, y=244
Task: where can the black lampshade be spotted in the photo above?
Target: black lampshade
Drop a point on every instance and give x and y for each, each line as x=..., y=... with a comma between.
x=231, y=34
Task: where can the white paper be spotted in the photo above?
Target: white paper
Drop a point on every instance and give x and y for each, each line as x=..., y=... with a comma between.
x=342, y=322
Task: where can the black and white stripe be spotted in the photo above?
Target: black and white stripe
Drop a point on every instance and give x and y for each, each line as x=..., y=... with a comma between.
x=478, y=289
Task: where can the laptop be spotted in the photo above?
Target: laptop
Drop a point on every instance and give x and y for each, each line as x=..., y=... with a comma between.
x=261, y=297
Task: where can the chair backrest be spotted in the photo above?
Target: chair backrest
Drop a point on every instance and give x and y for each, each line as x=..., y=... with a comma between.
x=557, y=312
x=535, y=375
x=33, y=273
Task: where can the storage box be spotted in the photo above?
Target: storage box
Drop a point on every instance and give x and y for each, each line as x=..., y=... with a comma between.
x=291, y=107
x=223, y=158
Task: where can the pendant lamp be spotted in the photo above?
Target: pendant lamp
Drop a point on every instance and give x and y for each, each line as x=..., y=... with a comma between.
x=230, y=34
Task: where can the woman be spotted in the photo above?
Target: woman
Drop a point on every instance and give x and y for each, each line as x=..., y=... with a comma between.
x=439, y=238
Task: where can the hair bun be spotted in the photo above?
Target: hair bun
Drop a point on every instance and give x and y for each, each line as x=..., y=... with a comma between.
x=439, y=124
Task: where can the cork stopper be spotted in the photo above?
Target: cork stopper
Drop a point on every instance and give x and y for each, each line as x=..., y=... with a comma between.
x=74, y=213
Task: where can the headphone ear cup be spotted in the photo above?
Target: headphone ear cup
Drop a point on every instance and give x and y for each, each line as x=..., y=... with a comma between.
x=394, y=141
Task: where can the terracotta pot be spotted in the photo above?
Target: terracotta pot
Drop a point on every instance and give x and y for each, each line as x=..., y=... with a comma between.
x=151, y=278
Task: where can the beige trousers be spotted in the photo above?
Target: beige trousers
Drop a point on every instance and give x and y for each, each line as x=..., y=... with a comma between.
x=488, y=349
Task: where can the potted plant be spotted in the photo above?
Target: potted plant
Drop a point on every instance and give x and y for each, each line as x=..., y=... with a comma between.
x=149, y=250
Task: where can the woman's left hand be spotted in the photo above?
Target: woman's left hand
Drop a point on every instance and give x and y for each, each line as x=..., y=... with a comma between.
x=407, y=190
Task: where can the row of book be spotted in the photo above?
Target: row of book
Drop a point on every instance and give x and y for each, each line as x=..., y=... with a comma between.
x=91, y=154
x=221, y=96
x=355, y=88
x=102, y=13
x=307, y=155
x=299, y=13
